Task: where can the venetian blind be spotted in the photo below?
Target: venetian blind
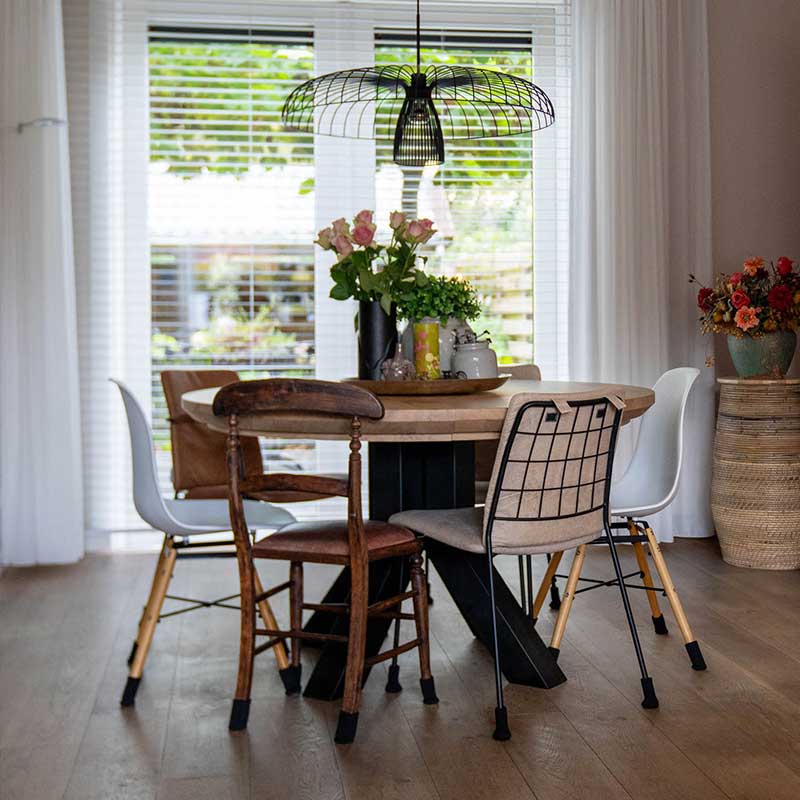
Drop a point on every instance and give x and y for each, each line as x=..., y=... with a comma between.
x=497, y=216
x=231, y=212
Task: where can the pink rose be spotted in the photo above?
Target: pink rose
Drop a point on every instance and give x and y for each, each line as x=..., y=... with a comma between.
x=340, y=227
x=325, y=238
x=364, y=233
x=396, y=220
x=419, y=231
x=415, y=231
x=363, y=217
x=428, y=225
x=343, y=246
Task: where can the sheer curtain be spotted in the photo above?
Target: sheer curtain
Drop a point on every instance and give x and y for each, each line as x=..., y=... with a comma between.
x=640, y=213
x=41, y=497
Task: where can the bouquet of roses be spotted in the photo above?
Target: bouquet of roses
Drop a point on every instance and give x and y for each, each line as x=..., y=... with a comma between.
x=755, y=301
x=367, y=270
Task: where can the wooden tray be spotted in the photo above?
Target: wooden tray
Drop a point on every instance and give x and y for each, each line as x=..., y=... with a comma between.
x=441, y=386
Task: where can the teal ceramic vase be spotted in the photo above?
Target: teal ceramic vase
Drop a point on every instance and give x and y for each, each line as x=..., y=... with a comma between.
x=767, y=356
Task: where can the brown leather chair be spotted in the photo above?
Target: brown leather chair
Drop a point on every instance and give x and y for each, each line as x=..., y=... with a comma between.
x=198, y=453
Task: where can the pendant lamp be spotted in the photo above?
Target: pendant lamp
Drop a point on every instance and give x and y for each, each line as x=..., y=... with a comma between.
x=421, y=109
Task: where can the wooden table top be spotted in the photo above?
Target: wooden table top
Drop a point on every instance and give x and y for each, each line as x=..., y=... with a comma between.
x=443, y=418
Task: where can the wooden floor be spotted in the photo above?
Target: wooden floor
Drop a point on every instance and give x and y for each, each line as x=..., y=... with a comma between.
x=733, y=731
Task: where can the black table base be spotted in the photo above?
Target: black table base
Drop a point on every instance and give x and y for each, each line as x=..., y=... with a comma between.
x=432, y=475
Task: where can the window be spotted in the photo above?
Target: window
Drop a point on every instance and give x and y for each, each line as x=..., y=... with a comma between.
x=195, y=212
x=231, y=213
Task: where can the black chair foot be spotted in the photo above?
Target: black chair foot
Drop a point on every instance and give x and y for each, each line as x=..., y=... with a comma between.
x=346, y=728
x=698, y=662
x=240, y=712
x=291, y=678
x=393, y=682
x=660, y=625
x=129, y=695
x=501, y=729
x=133, y=653
x=650, y=699
x=428, y=691
x=430, y=596
x=555, y=598
x=555, y=652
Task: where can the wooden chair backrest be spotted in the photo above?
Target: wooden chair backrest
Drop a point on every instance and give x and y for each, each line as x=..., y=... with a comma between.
x=198, y=453
x=298, y=396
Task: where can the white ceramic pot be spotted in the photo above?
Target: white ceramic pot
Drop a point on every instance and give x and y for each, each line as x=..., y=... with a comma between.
x=447, y=336
x=474, y=360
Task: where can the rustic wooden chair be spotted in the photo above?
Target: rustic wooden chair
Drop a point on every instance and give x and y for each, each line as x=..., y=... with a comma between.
x=351, y=542
x=549, y=492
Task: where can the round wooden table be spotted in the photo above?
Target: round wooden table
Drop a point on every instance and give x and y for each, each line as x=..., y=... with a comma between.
x=422, y=455
x=437, y=418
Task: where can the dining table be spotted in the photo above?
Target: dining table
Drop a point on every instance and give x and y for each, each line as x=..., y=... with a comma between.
x=421, y=455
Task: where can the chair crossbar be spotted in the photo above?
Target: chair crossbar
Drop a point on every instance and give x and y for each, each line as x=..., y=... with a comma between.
x=389, y=602
x=196, y=604
x=395, y=651
x=274, y=590
x=267, y=646
x=320, y=637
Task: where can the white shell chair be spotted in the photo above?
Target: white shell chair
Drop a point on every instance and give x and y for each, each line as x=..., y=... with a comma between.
x=179, y=520
x=648, y=485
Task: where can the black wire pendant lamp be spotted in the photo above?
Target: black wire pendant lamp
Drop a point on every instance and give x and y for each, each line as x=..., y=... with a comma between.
x=424, y=108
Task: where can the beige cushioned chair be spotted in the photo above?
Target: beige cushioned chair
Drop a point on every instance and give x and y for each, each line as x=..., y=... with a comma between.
x=548, y=491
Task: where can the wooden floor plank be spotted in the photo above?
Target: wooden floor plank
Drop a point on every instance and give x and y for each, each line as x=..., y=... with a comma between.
x=714, y=739
x=732, y=732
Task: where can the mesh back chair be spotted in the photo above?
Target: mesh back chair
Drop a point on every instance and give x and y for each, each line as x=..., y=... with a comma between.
x=550, y=484
x=351, y=542
x=649, y=485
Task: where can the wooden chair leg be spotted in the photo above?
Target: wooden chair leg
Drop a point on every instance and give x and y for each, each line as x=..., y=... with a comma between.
x=150, y=615
x=419, y=586
x=692, y=647
x=288, y=676
x=567, y=598
x=292, y=675
x=544, y=586
x=659, y=623
x=240, y=710
x=356, y=646
x=159, y=564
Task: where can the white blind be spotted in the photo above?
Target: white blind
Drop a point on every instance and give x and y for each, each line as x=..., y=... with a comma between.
x=231, y=212
x=190, y=200
x=500, y=204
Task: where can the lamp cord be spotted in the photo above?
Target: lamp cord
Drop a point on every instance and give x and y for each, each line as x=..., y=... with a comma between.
x=418, y=41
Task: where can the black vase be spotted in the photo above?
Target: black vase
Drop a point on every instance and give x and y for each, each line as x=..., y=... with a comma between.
x=377, y=338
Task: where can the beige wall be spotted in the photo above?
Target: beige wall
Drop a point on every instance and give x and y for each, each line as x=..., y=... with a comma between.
x=754, y=72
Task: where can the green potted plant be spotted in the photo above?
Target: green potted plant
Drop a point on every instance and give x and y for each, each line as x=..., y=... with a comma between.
x=758, y=309
x=451, y=301
x=378, y=276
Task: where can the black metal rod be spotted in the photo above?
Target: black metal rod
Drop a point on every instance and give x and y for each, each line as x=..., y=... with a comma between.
x=419, y=40
x=522, y=593
x=529, y=570
x=627, y=605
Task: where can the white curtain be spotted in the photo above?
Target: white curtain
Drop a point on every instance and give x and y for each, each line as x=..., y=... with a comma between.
x=41, y=497
x=640, y=213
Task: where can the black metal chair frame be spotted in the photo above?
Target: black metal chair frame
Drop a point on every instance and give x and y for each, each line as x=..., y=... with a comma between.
x=601, y=405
